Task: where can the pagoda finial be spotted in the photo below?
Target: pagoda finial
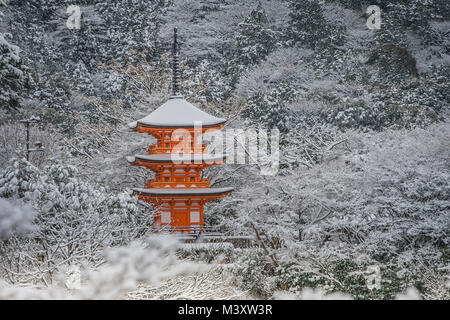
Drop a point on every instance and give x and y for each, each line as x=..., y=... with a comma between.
x=175, y=66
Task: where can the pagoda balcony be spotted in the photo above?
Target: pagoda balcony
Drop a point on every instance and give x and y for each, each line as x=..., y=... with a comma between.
x=168, y=148
x=184, y=162
x=166, y=193
x=203, y=183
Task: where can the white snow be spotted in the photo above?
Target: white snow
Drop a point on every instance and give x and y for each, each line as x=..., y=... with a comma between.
x=131, y=159
x=132, y=125
x=177, y=112
x=177, y=158
x=182, y=191
x=210, y=245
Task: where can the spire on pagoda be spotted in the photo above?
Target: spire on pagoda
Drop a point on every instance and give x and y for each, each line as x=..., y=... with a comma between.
x=175, y=66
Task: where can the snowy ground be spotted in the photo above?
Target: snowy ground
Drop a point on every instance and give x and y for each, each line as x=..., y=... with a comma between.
x=213, y=285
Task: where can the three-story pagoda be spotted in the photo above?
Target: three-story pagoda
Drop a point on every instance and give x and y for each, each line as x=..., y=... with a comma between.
x=178, y=190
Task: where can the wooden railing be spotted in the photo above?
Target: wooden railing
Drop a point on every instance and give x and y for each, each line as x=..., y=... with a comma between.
x=210, y=234
x=187, y=229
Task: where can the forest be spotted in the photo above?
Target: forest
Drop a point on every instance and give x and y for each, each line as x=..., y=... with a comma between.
x=358, y=209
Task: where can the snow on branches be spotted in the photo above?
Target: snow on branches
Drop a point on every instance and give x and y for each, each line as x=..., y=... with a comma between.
x=75, y=220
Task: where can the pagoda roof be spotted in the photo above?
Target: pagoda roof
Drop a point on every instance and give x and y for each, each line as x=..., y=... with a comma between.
x=182, y=191
x=177, y=113
x=164, y=158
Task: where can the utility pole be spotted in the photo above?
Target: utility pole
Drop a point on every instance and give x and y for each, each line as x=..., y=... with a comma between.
x=38, y=144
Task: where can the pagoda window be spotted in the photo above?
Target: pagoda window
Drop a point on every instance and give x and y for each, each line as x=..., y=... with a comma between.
x=195, y=216
x=192, y=179
x=165, y=217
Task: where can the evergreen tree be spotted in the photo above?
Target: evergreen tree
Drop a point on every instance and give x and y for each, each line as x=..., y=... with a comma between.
x=12, y=75
x=255, y=41
x=309, y=27
x=132, y=27
x=270, y=109
x=82, y=80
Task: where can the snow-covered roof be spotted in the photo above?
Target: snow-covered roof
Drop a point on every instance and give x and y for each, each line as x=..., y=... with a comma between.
x=177, y=158
x=177, y=113
x=182, y=191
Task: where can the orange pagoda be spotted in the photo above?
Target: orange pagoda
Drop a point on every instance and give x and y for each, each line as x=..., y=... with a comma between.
x=178, y=189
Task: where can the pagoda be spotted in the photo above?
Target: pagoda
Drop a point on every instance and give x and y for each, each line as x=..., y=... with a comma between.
x=178, y=191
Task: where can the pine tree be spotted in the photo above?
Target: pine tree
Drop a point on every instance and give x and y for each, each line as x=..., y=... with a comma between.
x=254, y=42
x=309, y=27
x=82, y=80
x=12, y=75
x=132, y=27
x=270, y=109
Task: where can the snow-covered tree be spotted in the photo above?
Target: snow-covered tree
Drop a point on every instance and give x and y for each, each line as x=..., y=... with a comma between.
x=309, y=27
x=255, y=40
x=12, y=70
x=14, y=219
x=369, y=199
x=75, y=220
x=270, y=109
x=150, y=262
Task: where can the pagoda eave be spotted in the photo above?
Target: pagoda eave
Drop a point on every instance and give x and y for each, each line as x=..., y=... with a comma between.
x=150, y=160
x=174, y=192
x=178, y=126
x=182, y=191
x=147, y=128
